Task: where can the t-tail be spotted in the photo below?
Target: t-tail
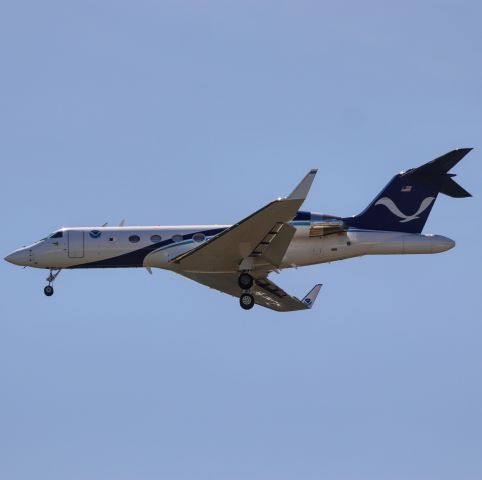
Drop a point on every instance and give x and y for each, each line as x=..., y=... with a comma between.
x=406, y=202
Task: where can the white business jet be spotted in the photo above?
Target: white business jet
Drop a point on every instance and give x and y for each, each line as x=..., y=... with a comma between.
x=237, y=259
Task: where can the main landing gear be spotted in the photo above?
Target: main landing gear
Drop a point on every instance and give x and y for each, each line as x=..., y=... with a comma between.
x=246, y=300
x=245, y=282
x=49, y=290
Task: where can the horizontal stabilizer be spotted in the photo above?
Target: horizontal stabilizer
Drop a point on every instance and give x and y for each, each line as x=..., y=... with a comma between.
x=450, y=187
x=435, y=174
x=444, y=163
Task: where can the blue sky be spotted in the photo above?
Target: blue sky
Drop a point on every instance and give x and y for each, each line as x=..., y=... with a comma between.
x=179, y=112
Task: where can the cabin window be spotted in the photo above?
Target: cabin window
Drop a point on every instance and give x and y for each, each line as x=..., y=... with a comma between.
x=177, y=238
x=199, y=237
x=156, y=238
x=57, y=235
x=134, y=238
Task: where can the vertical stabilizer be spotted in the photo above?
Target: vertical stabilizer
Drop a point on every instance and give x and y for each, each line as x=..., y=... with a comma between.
x=406, y=202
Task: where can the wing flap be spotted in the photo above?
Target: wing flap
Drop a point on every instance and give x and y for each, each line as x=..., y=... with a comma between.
x=276, y=249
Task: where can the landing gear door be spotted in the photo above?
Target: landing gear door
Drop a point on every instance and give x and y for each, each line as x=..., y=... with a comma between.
x=76, y=244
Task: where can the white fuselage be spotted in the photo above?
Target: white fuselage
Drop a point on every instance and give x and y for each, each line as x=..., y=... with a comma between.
x=104, y=247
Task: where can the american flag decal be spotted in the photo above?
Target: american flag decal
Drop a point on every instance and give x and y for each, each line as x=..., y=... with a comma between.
x=407, y=188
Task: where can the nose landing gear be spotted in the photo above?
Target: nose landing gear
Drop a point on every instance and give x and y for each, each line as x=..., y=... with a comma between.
x=49, y=290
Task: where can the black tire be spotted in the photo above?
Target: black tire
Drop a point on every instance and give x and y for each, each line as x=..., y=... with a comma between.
x=246, y=301
x=245, y=281
x=49, y=290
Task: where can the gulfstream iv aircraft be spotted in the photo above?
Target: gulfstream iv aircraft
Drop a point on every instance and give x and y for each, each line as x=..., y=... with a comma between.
x=237, y=259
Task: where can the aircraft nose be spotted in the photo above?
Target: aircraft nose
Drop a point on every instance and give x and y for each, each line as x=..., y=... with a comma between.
x=19, y=257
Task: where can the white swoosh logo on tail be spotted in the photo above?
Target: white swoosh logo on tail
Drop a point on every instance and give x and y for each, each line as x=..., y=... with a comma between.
x=390, y=204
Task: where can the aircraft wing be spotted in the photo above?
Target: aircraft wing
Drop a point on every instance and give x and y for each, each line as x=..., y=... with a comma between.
x=266, y=233
x=265, y=292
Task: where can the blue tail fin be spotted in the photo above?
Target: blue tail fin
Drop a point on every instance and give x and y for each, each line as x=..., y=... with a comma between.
x=405, y=203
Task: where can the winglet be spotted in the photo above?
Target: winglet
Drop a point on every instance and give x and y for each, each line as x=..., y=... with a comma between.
x=301, y=191
x=309, y=299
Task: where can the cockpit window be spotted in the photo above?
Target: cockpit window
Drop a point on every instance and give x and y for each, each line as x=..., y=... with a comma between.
x=57, y=235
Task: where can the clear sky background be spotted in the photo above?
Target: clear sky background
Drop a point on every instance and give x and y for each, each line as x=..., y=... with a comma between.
x=180, y=112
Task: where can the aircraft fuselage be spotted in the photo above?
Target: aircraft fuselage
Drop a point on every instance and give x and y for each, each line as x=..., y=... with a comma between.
x=156, y=247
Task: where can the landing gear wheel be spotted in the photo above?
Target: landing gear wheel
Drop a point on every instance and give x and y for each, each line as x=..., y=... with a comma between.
x=246, y=301
x=245, y=281
x=54, y=273
x=49, y=290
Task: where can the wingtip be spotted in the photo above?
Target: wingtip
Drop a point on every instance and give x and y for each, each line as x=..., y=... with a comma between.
x=310, y=298
x=302, y=189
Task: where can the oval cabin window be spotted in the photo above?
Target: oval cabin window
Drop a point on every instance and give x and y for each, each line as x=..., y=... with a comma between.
x=155, y=238
x=199, y=237
x=134, y=238
x=177, y=238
